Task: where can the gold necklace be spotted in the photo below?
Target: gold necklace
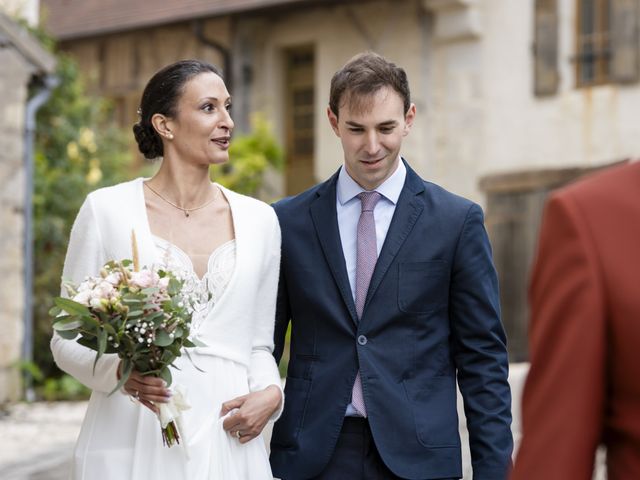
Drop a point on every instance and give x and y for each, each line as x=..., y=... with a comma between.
x=186, y=211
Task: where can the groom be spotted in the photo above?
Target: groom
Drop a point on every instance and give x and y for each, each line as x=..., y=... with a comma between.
x=392, y=294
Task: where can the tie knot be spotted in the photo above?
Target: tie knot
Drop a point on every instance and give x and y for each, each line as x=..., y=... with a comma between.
x=369, y=200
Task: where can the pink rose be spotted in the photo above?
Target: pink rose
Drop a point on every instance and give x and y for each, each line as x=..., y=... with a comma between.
x=103, y=290
x=163, y=283
x=83, y=297
x=114, y=278
x=144, y=279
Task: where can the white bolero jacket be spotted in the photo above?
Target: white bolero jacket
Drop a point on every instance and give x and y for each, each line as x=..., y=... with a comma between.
x=239, y=327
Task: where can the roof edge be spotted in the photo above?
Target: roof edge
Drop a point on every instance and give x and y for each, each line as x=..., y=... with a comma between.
x=27, y=45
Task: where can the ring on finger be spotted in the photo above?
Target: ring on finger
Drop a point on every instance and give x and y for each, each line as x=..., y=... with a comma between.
x=238, y=434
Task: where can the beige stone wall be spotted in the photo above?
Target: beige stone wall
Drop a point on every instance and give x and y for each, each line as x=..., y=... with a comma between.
x=13, y=79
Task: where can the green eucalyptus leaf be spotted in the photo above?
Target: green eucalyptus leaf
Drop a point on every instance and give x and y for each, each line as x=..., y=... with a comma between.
x=109, y=329
x=165, y=374
x=68, y=334
x=68, y=323
x=126, y=367
x=162, y=339
x=102, y=347
x=90, y=323
x=70, y=306
x=174, y=287
x=89, y=342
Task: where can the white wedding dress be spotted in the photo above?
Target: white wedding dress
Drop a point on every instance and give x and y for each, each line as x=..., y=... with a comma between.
x=206, y=451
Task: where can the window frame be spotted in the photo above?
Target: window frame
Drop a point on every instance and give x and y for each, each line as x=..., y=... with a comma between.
x=601, y=43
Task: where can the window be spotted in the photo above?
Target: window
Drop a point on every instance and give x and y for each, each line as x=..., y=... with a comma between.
x=607, y=42
x=299, y=112
x=545, y=67
x=593, y=55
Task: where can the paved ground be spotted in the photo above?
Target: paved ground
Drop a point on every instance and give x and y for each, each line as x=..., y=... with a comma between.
x=36, y=440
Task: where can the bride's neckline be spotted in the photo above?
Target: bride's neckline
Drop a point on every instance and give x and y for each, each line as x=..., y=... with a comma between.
x=219, y=250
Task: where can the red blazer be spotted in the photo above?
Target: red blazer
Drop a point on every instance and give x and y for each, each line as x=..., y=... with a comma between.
x=583, y=388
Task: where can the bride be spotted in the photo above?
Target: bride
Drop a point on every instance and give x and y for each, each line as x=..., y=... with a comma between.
x=221, y=241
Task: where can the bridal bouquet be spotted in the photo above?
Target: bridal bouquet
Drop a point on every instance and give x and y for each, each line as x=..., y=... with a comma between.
x=142, y=315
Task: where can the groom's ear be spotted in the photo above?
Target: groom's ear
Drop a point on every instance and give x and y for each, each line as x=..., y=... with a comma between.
x=333, y=120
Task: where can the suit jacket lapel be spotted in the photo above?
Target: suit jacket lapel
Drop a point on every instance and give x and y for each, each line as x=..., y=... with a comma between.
x=325, y=221
x=408, y=210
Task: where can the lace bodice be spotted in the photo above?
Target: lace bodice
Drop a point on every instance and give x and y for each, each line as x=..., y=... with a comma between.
x=212, y=285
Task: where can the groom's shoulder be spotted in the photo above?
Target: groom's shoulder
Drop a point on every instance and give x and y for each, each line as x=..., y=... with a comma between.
x=437, y=197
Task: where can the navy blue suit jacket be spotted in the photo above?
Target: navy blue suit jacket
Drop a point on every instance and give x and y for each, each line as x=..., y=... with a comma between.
x=432, y=311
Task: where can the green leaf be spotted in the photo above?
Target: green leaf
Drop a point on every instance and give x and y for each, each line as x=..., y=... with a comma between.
x=89, y=342
x=68, y=323
x=90, y=322
x=55, y=311
x=69, y=306
x=109, y=329
x=165, y=374
x=126, y=367
x=167, y=357
x=68, y=335
x=102, y=346
x=174, y=287
x=162, y=339
x=155, y=318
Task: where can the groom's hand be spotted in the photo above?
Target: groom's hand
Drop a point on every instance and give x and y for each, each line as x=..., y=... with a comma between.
x=253, y=413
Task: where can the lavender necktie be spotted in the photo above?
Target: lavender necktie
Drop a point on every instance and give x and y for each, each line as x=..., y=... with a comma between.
x=367, y=255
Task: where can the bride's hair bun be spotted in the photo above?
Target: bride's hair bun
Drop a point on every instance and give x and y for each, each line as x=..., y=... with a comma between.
x=148, y=140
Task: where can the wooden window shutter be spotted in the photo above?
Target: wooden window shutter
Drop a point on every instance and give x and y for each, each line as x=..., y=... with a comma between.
x=625, y=64
x=545, y=49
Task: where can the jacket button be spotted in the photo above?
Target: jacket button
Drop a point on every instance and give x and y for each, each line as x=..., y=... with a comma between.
x=362, y=340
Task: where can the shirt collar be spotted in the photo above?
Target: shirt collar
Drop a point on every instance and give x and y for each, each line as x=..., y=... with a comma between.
x=390, y=189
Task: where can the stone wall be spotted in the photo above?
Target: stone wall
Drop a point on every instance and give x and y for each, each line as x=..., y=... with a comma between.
x=13, y=91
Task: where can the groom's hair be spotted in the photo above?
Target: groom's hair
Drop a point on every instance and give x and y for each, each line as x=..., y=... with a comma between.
x=364, y=75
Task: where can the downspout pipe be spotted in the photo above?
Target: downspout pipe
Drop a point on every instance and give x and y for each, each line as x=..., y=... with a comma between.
x=47, y=84
x=198, y=30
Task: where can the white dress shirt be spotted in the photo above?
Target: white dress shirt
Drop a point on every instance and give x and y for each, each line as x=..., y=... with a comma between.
x=348, y=207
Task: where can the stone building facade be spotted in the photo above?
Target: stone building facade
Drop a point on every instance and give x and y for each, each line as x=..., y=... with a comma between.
x=514, y=98
x=22, y=59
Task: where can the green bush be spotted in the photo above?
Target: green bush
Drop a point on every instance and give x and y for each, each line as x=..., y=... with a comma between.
x=250, y=156
x=78, y=148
